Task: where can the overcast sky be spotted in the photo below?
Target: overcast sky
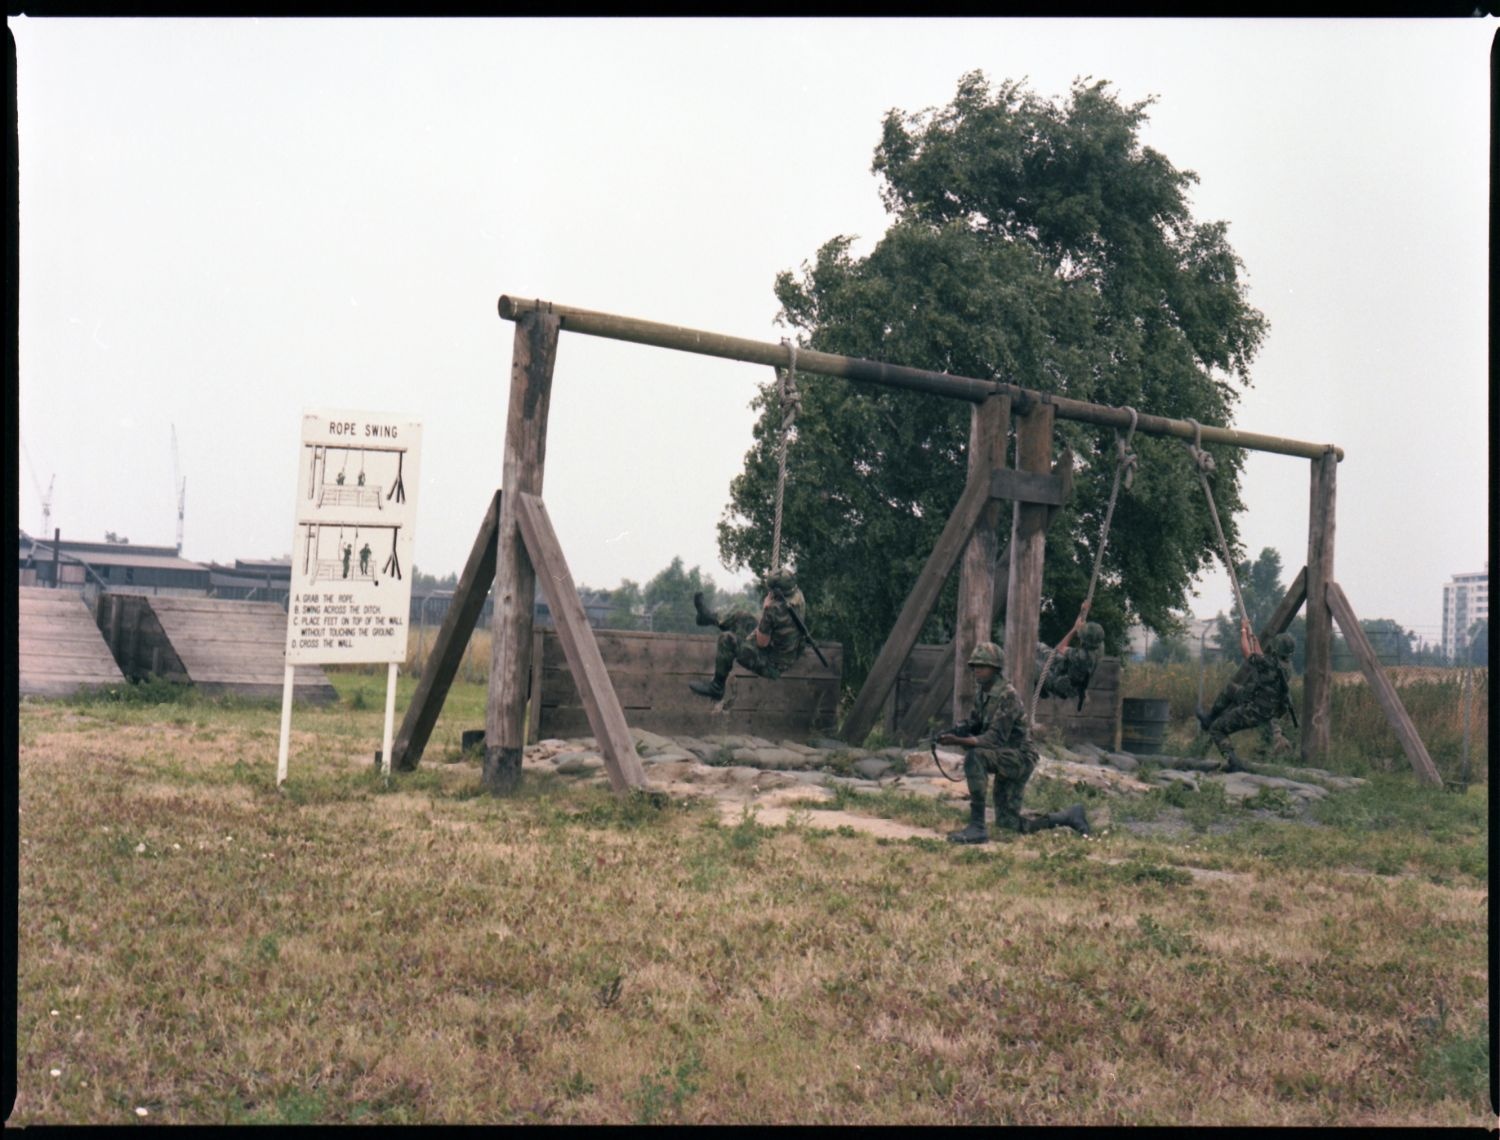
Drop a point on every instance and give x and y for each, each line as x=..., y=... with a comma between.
x=227, y=222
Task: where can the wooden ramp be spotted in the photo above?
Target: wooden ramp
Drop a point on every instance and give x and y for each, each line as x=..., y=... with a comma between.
x=217, y=644
x=61, y=649
x=650, y=674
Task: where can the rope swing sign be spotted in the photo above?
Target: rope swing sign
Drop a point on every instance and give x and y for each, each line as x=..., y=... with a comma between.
x=349, y=598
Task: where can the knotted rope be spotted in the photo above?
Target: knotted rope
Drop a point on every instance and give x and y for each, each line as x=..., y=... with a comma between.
x=1204, y=462
x=789, y=401
x=1125, y=464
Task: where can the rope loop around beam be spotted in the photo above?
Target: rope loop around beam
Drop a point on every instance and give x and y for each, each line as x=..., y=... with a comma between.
x=1124, y=457
x=1201, y=458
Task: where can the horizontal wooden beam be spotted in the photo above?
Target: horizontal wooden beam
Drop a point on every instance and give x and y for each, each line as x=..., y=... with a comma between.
x=612, y=327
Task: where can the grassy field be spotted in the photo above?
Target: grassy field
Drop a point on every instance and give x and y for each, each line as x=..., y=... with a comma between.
x=196, y=946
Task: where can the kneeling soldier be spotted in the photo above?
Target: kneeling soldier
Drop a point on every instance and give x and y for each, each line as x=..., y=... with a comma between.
x=765, y=644
x=1258, y=701
x=997, y=741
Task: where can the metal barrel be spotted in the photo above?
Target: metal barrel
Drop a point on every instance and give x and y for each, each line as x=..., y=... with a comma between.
x=1143, y=724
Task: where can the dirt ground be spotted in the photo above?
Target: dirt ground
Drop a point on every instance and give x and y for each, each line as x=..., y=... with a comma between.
x=774, y=797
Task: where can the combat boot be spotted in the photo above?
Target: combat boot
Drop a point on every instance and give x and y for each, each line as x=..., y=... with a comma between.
x=1073, y=817
x=975, y=832
x=1232, y=762
x=705, y=616
x=1204, y=719
x=713, y=688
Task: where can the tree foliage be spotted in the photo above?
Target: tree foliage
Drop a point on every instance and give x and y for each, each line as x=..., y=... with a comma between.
x=1262, y=589
x=665, y=603
x=1478, y=652
x=1169, y=650
x=1040, y=244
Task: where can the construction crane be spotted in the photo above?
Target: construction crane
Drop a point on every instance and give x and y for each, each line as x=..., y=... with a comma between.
x=179, y=488
x=45, y=496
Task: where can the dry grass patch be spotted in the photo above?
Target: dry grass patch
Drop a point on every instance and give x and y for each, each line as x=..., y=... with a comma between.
x=343, y=951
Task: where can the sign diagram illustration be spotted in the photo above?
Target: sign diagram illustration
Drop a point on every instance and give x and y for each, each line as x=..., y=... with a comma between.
x=355, y=512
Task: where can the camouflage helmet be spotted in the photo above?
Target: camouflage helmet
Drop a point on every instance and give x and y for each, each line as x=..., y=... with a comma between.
x=987, y=653
x=781, y=578
x=1283, y=645
x=1093, y=635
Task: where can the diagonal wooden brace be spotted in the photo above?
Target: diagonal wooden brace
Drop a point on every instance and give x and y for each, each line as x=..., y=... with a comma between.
x=600, y=703
x=448, y=651
x=1385, y=692
x=866, y=708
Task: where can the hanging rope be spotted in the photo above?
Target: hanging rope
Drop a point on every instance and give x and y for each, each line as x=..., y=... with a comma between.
x=1125, y=464
x=1205, y=465
x=788, y=401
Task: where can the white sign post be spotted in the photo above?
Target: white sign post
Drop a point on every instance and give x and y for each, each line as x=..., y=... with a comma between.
x=350, y=594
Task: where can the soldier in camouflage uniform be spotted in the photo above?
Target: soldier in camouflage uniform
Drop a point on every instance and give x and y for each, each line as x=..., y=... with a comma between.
x=1072, y=668
x=767, y=643
x=997, y=741
x=1258, y=701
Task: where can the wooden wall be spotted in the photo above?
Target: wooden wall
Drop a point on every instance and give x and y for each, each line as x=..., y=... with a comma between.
x=60, y=647
x=911, y=683
x=217, y=644
x=650, y=673
x=140, y=646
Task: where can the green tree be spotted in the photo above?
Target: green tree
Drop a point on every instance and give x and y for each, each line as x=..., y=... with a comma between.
x=668, y=597
x=1041, y=244
x=1262, y=588
x=1168, y=649
x=423, y=583
x=1479, y=642
x=626, y=606
x=1393, y=645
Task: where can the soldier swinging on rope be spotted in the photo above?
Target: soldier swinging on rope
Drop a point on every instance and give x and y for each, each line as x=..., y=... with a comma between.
x=1072, y=669
x=767, y=644
x=1256, y=702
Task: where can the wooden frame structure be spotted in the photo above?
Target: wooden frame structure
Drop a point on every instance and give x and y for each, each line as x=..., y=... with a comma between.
x=517, y=538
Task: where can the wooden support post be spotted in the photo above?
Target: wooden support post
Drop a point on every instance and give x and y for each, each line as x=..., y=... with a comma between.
x=937, y=696
x=1028, y=549
x=532, y=360
x=989, y=423
x=448, y=650
x=1385, y=692
x=914, y=613
x=1317, y=685
x=600, y=703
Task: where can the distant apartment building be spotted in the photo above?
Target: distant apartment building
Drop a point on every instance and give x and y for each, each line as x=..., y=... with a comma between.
x=1466, y=599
